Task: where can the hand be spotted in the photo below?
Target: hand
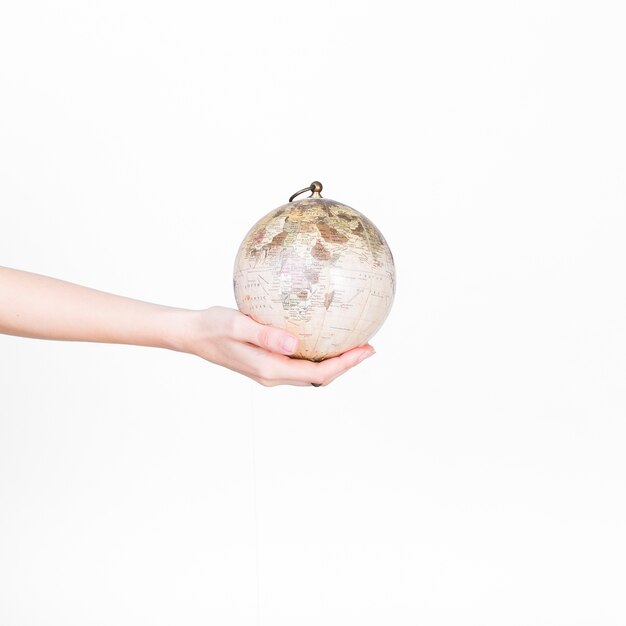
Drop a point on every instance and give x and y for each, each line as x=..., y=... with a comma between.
x=229, y=338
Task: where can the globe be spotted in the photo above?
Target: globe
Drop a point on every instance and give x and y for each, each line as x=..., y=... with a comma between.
x=319, y=269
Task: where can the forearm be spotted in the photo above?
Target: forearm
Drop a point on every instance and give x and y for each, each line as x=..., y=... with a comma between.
x=37, y=306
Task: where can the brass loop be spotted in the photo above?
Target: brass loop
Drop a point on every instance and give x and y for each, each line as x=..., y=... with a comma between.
x=314, y=187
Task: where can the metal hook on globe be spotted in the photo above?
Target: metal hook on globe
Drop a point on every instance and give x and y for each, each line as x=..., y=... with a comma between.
x=315, y=187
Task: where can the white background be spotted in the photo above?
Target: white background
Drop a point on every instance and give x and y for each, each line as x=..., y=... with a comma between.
x=473, y=471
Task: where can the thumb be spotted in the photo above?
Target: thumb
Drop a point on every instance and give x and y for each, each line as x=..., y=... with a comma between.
x=275, y=340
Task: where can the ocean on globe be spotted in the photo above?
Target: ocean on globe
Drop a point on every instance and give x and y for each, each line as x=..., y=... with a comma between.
x=319, y=269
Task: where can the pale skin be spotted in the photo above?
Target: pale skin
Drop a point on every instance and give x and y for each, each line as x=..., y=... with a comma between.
x=32, y=305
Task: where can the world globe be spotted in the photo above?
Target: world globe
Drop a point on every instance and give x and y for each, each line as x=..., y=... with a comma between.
x=319, y=269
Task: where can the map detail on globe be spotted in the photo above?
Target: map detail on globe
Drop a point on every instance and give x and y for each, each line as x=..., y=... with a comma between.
x=319, y=269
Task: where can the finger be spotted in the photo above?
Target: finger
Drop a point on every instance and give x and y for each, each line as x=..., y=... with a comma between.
x=268, y=337
x=258, y=364
x=361, y=358
x=302, y=371
x=340, y=373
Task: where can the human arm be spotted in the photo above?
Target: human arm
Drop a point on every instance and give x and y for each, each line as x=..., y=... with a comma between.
x=32, y=305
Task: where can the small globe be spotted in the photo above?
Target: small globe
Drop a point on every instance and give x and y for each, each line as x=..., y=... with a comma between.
x=319, y=269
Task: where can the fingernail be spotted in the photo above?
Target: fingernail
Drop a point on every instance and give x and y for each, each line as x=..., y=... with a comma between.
x=288, y=344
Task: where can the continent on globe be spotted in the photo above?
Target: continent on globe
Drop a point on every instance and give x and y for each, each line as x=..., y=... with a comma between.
x=319, y=269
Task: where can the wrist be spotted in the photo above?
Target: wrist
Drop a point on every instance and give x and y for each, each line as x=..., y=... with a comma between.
x=178, y=329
